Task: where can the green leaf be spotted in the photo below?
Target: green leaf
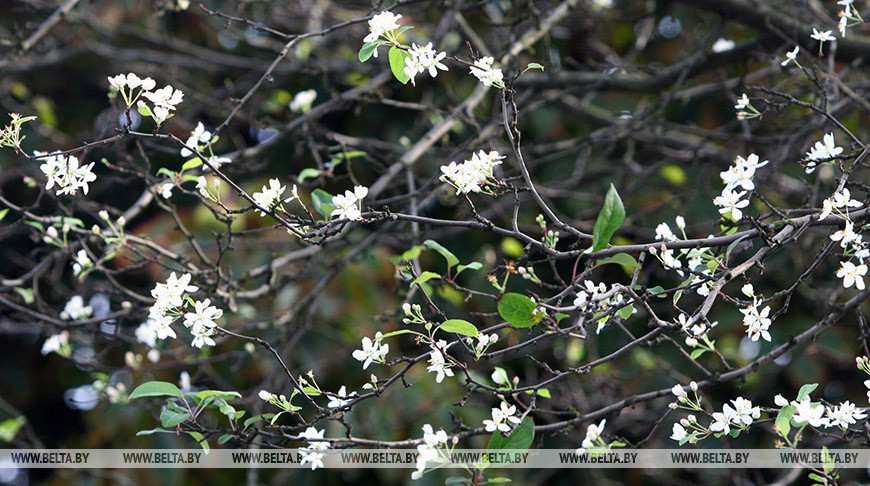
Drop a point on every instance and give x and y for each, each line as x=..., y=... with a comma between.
x=311, y=391
x=697, y=353
x=308, y=174
x=199, y=438
x=517, y=309
x=397, y=64
x=534, y=65
x=543, y=392
x=520, y=439
x=9, y=428
x=3, y=213
x=251, y=420
x=806, y=390
x=625, y=312
x=733, y=245
x=620, y=258
x=225, y=438
x=783, y=420
x=499, y=480
x=459, y=326
x=144, y=110
x=342, y=156
x=451, y=258
x=171, y=418
x=456, y=480
x=25, y=293
x=403, y=29
x=396, y=333
x=158, y=430
x=202, y=395
x=609, y=220
x=412, y=253
x=322, y=201
x=166, y=172
x=191, y=164
x=156, y=389
x=816, y=477
x=425, y=277
x=367, y=50
x=472, y=265
x=36, y=224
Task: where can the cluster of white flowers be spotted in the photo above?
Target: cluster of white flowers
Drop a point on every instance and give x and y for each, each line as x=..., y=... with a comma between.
x=132, y=89
x=849, y=17
x=597, y=299
x=757, y=322
x=314, y=451
x=372, y=351
x=738, y=175
x=486, y=74
x=593, y=437
x=76, y=309
x=502, y=418
x=429, y=450
x=850, y=240
x=380, y=25
x=423, y=59
x=437, y=363
x=741, y=416
x=81, y=263
x=170, y=299
x=824, y=150
x=202, y=322
x=270, y=197
x=484, y=341
x=472, y=175
x=146, y=333
x=349, y=205
x=745, y=110
x=58, y=343
x=695, y=258
x=815, y=414
x=164, y=101
x=131, y=86
x=65, y=172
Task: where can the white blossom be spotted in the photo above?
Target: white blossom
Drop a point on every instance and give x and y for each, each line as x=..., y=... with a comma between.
x=852, y=274
x=269, y=197
x=303, y=100
x=199, y=137
x=76, y=309
x=723, y=44
x=502, y=418
x=313, y=453
x=437, y=363
x=203, y=316
x=380, y=24
x=791, y=56
x=372, y=351
x=485, y=73
x=349, y=205
x=809, y=412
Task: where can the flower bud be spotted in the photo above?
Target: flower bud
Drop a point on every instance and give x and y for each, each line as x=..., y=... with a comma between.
x=104, y=215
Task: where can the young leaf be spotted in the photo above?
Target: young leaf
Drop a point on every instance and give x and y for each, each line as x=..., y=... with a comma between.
x=459, y=326
x=397, y=64
x=534, y=65
x=806, y=390
x=3, y=213
x=451, y=258
x=620, y=258
x=366, y=51
x=517, y=309
x=9, y=428
x=520, y=439
x=191, y=164
x=322, y=201
x=609, y=220
x=156, y=389
x=171, y=418
x=202, y=442
x=308, y=174
x=425, y=277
